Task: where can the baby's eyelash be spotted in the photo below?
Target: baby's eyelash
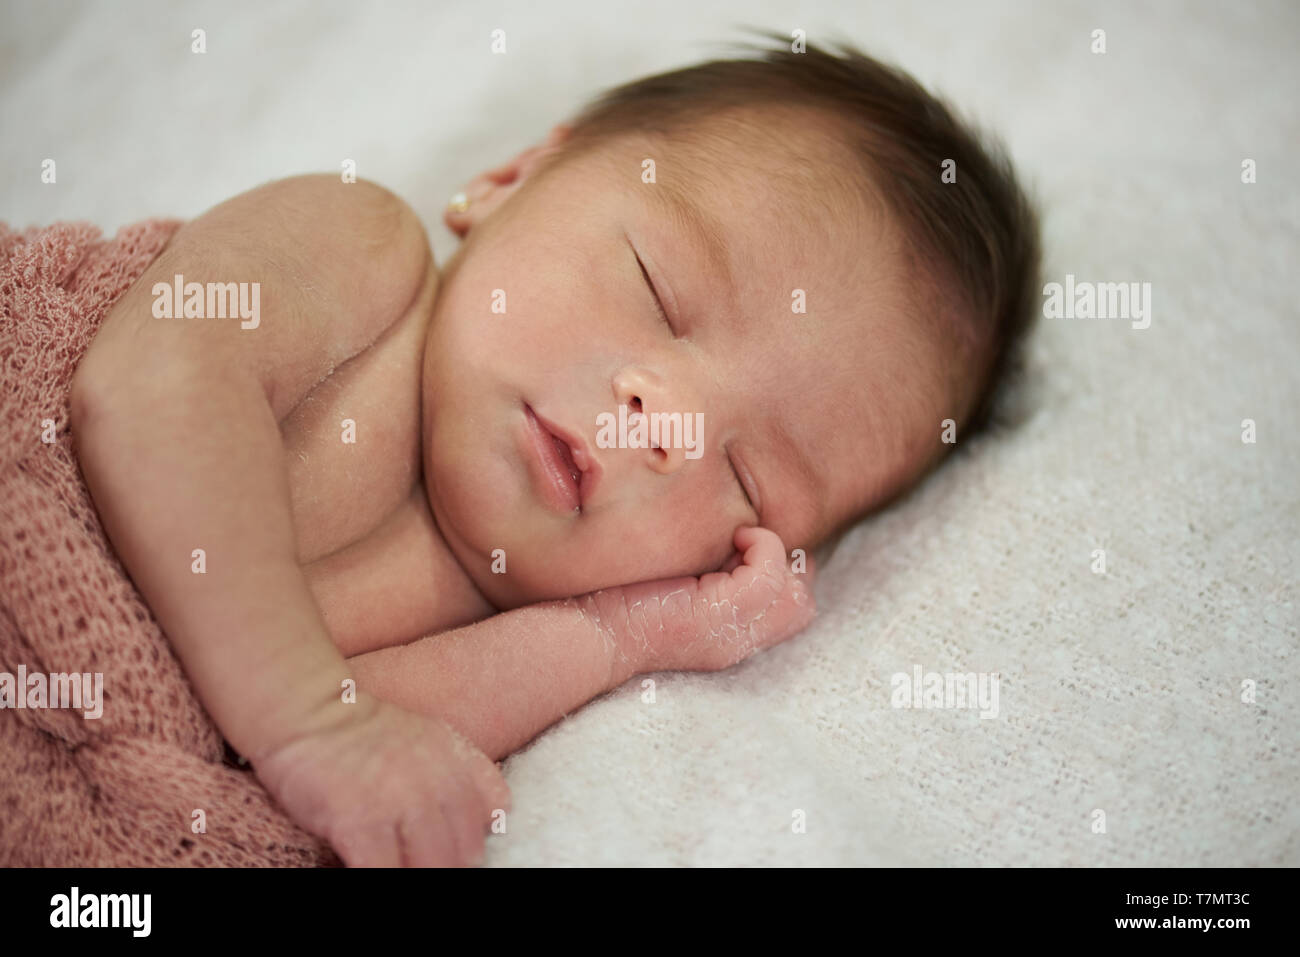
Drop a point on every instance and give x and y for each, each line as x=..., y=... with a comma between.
x=655, y=293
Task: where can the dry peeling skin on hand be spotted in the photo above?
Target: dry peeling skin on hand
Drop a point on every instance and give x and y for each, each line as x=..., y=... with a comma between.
x=706, y=624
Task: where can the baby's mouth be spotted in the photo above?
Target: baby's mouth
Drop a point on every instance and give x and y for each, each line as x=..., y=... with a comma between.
x=553, y=465
x=566, y=454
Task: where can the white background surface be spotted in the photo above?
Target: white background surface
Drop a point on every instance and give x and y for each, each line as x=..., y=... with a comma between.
x=1119, y=692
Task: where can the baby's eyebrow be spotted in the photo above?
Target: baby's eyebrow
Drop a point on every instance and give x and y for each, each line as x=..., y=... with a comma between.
x=707, y=234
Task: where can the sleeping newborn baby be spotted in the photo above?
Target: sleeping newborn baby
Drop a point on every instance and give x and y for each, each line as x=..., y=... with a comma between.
x=410, y=517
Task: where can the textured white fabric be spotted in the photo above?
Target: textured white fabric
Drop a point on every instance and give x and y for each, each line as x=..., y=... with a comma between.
x=1120, y=693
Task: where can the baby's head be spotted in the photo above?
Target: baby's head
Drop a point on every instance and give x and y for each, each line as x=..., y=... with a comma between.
x=832, y=287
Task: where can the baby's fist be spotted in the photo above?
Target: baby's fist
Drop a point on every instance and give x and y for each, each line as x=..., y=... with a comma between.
x=388, y=787
x=719, y=619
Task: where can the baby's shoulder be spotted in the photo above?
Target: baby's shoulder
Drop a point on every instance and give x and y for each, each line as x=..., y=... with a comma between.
x=358, y=221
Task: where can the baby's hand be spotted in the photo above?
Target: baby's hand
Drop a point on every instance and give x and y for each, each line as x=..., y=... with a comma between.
x=714, y=621
x=388, y=787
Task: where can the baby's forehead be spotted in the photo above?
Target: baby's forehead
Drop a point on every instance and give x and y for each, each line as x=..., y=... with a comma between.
x=796, y=156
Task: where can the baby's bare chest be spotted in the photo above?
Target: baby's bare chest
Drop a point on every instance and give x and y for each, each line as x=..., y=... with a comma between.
x=352, y=446
x=380, y=570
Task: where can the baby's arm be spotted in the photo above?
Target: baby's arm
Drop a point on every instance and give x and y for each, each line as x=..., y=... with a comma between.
x=177, y=430
x=176, y=424
x=502, y=681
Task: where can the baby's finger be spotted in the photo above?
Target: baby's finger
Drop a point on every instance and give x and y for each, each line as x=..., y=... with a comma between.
x=732, y=563
x=759, y=546
x=370, y=845
x=426, y=835
x=468, y=822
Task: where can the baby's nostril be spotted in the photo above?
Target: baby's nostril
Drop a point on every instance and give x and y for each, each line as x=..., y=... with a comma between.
x=635, y=404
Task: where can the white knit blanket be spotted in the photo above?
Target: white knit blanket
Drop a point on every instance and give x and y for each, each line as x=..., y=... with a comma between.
x=1147, y=715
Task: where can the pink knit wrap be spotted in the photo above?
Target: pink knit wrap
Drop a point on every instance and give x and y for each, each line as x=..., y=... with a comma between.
x=121, y=789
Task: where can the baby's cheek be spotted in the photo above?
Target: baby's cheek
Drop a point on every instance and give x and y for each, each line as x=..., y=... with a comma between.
x=633, y=547
x=693, y=544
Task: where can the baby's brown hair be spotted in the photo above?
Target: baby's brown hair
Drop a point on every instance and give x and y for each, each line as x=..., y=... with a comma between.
x=973, y=231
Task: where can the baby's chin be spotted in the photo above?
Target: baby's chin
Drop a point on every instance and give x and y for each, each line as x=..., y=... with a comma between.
x=513, y=562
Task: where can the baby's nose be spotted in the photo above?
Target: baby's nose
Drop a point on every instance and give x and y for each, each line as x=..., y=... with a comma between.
x=666, y=434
